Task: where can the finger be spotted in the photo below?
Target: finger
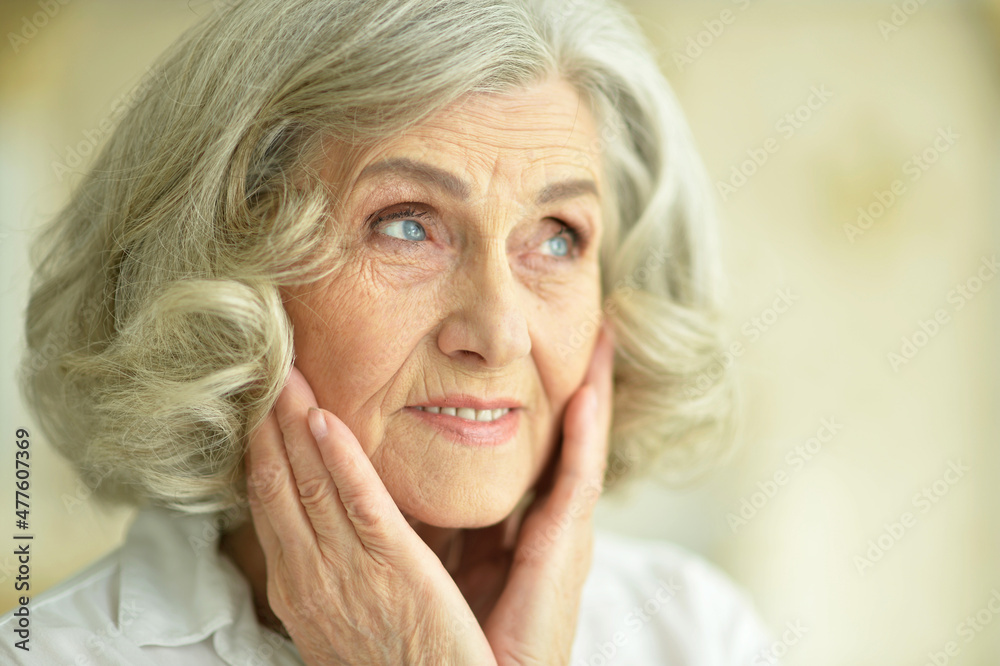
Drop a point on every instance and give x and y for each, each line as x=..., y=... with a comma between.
x=262, y=527
x=577, y=470
x=271, y=487
x=588, y=417
x=556, y=538
x=374, y=515
x=316, y=488
x=600, y=375
x=579, y=477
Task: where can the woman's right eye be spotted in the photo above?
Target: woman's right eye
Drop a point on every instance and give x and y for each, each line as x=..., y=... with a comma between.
x=406, y=230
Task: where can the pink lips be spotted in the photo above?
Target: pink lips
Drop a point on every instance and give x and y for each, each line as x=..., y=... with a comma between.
x=472, y=433
x=459, y=400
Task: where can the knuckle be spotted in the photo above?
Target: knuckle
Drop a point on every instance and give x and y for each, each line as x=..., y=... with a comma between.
x=313, y=601
x=285, y=419
x=267, y=482
x=316, y=492
x=363, y=509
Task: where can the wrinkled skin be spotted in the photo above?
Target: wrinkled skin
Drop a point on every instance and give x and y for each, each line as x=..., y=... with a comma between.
x=481, y=291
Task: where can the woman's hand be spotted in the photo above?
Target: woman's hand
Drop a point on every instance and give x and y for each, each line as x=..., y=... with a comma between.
x=346, y=574
x=353, y=583
x=534, y=620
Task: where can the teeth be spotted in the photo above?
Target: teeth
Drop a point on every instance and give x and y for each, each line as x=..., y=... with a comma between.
x=468, y=413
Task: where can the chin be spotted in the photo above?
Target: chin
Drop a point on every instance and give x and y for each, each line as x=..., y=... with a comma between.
x=484, y=506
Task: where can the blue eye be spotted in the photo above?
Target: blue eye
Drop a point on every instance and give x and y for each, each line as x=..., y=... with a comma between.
x=560, y=245
x=405, y=226
x=406, y=230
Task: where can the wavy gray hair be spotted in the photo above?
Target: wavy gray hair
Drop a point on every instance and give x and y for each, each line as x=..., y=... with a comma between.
x=157, y=340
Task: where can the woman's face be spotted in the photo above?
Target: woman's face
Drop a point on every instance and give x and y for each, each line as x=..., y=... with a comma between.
x=472, y=279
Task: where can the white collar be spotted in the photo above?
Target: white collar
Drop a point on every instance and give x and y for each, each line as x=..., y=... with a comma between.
x=176, y=588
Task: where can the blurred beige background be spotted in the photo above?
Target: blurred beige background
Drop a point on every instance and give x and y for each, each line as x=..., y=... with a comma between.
x=864, y=502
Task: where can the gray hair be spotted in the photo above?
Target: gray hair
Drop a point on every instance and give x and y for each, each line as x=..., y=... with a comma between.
x=157, y=340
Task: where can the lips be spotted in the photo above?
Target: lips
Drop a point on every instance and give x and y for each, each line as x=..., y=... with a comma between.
x=459, y=401
x=460, y=429
x=484, y=415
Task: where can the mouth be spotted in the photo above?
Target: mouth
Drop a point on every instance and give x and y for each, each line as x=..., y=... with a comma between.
x=468, y=426
x=468, y=413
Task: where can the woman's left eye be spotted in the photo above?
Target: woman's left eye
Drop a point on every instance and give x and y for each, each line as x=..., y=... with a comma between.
x=404, y=225
x=564, y=243
x=405, y=230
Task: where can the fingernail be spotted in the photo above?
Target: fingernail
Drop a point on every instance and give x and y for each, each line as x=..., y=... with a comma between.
x=317, y=423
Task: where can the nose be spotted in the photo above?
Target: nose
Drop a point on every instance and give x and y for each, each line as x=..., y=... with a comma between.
x=487, y=322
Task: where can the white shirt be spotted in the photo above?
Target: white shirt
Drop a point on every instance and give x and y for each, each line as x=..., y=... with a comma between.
x=167, y=596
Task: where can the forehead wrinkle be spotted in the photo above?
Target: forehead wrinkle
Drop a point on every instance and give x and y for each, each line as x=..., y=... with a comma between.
x=420, y=171
x=547, y=148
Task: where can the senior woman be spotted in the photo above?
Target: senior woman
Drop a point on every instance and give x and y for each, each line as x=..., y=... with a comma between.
x=334, y=307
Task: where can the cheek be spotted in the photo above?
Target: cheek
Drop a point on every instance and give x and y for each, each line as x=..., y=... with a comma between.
x=351, y=340
x=564, y=332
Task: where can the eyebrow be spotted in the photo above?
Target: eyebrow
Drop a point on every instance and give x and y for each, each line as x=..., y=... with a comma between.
x=460, y=189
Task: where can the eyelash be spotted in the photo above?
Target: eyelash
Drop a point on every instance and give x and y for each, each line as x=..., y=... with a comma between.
x=397, y=215
x=578, y=237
